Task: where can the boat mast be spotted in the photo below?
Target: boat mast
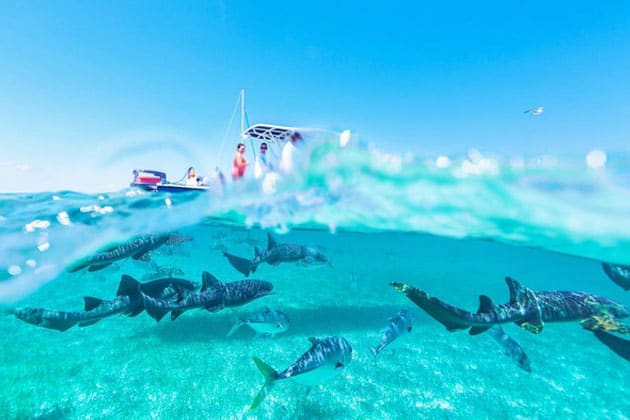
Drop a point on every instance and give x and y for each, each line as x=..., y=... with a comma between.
x=242, y=111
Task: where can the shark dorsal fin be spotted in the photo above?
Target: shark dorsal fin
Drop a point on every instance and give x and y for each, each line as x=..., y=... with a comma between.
x=91, y=303
x=485, y=304
x=271, y=243
x=208, y=281
x=128, y=286
x=518, y=292
x=313, y=340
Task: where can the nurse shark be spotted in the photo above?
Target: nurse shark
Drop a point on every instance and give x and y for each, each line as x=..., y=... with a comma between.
x=275, y=254
x=137, y=248
x=213, y=296
x=128, y=301
x=526, y=308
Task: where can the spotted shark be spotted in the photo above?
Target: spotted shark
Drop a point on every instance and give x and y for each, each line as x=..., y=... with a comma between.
x=510, y=347
x=213, y=296
x=398, y=325
x=526, y=308
x=266, y=322
x=128, y=301
x=620, y=274
x=137, y=248
x=275, y=254
x=326, y=358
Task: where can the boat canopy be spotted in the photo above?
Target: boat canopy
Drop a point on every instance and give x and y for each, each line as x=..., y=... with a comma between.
x=269, y=133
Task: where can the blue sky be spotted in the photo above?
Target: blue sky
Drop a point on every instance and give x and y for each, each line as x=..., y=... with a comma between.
x=90, y=90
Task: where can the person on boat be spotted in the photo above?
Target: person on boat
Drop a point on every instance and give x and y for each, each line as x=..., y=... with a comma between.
x=239, y=163
x=263, y=164
x=191, y=177
x=288, y=153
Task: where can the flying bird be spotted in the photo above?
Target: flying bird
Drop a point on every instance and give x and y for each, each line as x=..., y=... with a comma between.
x=535, y=111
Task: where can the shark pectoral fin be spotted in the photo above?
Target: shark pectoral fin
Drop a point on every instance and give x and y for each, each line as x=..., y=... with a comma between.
x=88, y=323
x=154, y=311
x=98, y=267
x=56, y=324
x=604, y=321
x=616, y=344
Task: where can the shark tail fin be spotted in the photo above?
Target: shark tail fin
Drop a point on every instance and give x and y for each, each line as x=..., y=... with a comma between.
x=270, y=375
x=243, y=265
x=235, y=327
x=374, y=351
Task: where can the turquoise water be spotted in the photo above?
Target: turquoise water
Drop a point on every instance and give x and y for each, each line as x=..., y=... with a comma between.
x=455, y=232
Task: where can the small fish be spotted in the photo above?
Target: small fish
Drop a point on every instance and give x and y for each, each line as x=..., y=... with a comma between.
x=511, y=347
x=275, y=254
x=620, y=274
x=398, y=325
x=266, y=322
x=326, y=358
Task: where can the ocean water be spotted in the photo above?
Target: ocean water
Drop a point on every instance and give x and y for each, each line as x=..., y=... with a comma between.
x=455, y=229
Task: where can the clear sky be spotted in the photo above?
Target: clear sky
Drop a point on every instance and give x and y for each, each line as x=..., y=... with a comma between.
x=91, y=89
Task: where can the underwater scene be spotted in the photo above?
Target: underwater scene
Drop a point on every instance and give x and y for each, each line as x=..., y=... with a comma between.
x=369, y=285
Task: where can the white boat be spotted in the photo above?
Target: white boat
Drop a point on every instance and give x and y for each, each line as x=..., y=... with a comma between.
x=273, y=135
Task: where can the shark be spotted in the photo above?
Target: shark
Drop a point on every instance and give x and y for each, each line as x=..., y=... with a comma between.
x=266, y=322
x=128, y=301
x=138, y=248
x=620, y=274
x=398, y=325
x=213, y=296
x=275, y=254
x=526, y=308
x=325, y=358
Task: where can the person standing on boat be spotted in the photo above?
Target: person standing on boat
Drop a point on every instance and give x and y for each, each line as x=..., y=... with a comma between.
x=191, y=177
x=262, y=165
x=239, y=164
x=288, y=153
